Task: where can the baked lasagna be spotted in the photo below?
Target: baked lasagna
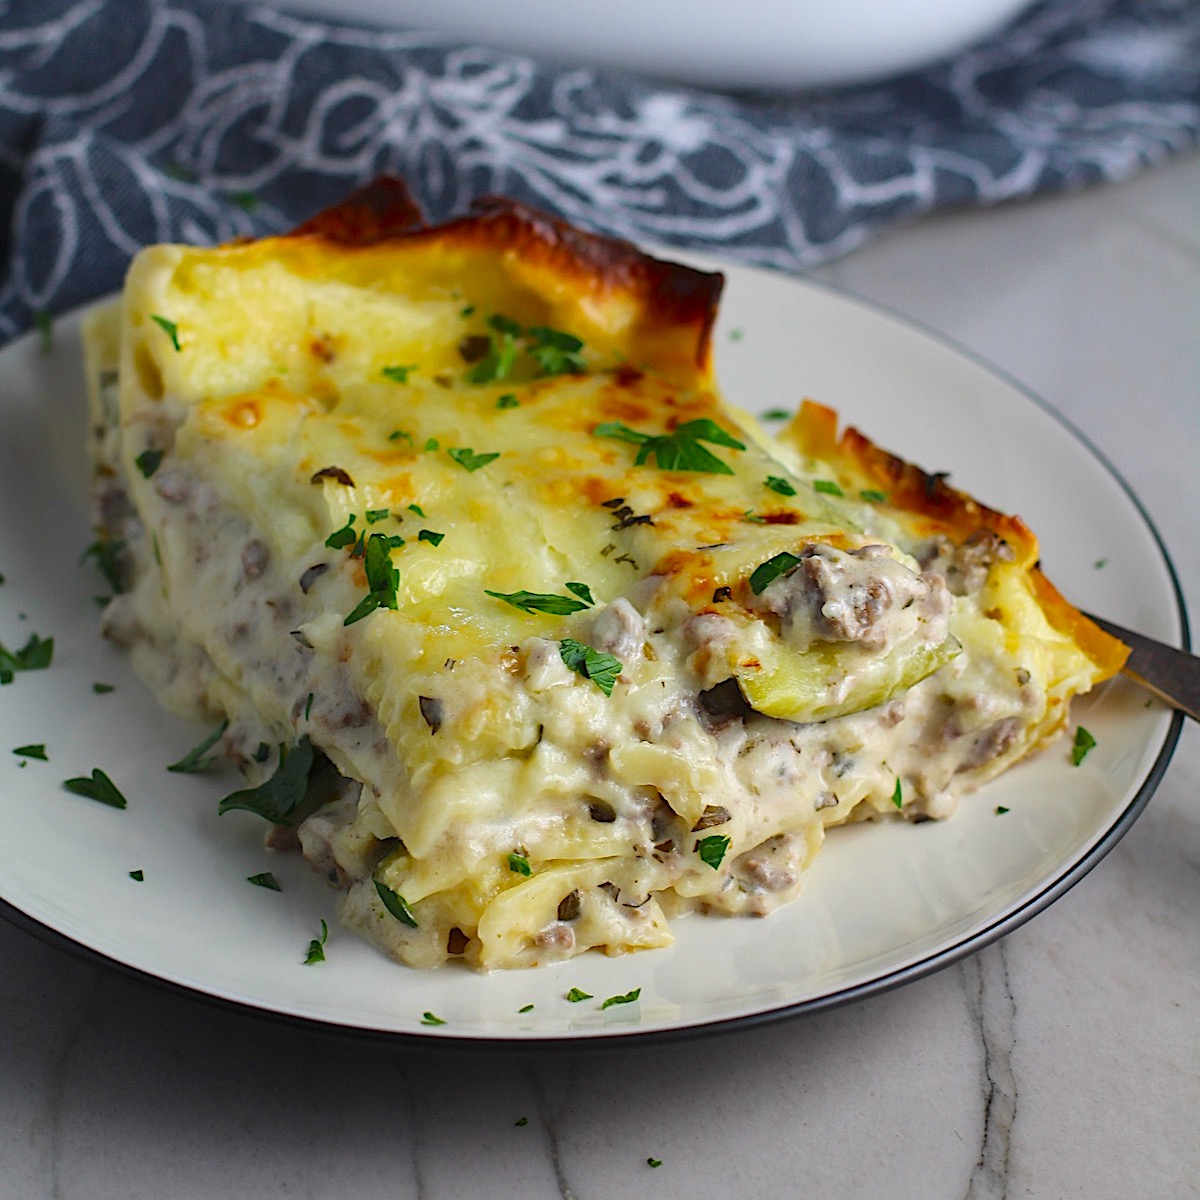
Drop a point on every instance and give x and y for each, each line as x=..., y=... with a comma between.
x=522, y=635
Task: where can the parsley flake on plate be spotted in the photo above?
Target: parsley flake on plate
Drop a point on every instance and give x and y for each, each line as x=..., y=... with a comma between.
x=428, y=1018
x=519, y=864
x=428, y=535
x=35, y=655
x=777, y=484
x=828, y=487
x=628, y=998
x=34, y=750
x=898, y=794
x=96, y=787
x=264, y=879
x=1082, y=744
x=556, y=352
x=654, y=1162
x=521, y=1121
x=576, y=994
x=316, y=948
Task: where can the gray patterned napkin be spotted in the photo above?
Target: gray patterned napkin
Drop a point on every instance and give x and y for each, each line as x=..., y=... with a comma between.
x=124, y=122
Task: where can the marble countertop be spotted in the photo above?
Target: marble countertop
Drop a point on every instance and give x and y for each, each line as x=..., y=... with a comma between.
x=1061, y=1061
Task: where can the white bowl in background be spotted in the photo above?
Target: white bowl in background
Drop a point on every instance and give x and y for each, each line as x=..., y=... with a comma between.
x=758, y=45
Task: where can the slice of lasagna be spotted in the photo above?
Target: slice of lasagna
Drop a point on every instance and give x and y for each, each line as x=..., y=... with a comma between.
x=524, y=636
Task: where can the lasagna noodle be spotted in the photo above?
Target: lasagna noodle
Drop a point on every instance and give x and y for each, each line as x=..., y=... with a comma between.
x=423, y=421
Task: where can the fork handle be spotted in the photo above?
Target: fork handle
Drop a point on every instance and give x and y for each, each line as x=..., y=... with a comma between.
x=1172, y=675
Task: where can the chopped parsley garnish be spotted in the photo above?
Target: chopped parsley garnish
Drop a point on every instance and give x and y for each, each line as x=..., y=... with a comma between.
x=602, y=669
x=556, y=352
x=102, y=689
x=429, y=1018
x=137, y=876
x=777, y=484
x=375, y=515
x=521, y=1120
x=654, y=1162
x=1100, y=564
x=519, y=864
x=872, y=496
x=278, y=798
x=677, y=451
x=382, y=579
x=98, y=787
x=628, y=998
x=148, y=461
x=428, y=535
x=776, y=414
x=526, y=1008
x=395, y=904
x=543, y=602
x=168, y=327
x=105, y=553
x=508, y=400
x=308, y=703
x=712, y=849
x=582, y=591
x=828, y=487
x=468, y=311
x=575, y=995
x=316, y=948
x=264, y=879
x=1083, y=743
x=898, y=794
x=766, y=573
x=35, y=655
x=469, y=460
x=431, y=444
x=416, y=508
x=397, y=434
x=195, y=759
x=34, y=750
x=1000, y=810
x=43, y=322
x=346, y=536
x=398, y=374
x=501, y=354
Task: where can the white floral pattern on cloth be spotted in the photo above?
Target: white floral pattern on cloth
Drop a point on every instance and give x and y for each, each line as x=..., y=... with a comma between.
x=124, y=122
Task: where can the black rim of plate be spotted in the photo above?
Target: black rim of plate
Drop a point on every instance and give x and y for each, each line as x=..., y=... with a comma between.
x=449, y=1041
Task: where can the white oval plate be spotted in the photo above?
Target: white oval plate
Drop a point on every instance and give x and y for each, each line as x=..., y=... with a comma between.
x=883, y=904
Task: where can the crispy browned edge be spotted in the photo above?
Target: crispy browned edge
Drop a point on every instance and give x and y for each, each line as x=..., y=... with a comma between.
x=675, y=300
x=954, y=513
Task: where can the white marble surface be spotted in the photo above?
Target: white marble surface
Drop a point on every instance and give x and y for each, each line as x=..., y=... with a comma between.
x=1063, y=1061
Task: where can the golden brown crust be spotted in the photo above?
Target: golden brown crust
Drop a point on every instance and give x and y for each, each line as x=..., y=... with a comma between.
x=952, y=514
x=670, y=308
